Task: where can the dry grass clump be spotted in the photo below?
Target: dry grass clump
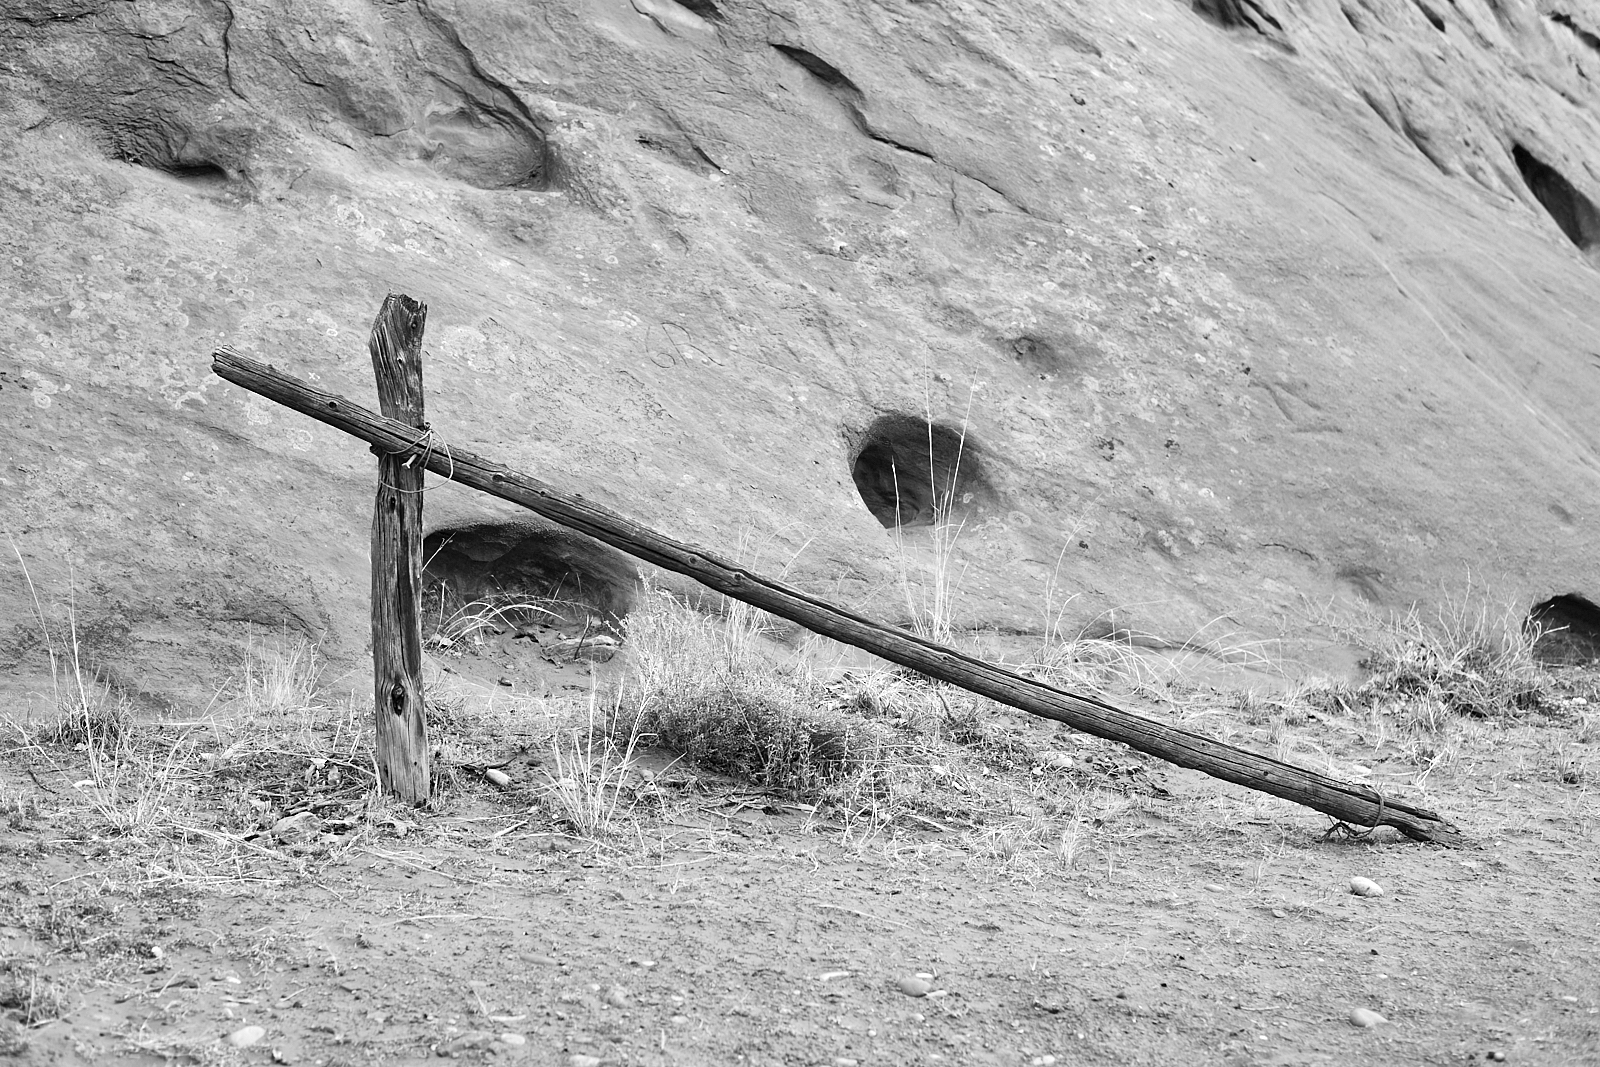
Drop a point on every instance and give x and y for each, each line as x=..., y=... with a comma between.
x=453, y=621
x=28, y=1000
x=929, y=717
x=267, y=773
x=591, y=790
x=874, y=748
x=1093, y=665
x=1441, y=690
x=1426, y=671
x=768, y=731
x=707, y=688
x=1463, y=659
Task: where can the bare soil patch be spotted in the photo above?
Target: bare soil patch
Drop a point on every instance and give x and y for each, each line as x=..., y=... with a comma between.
x=1002, y=892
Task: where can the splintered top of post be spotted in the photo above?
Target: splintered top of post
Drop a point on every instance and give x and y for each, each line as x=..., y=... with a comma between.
x=396, y=347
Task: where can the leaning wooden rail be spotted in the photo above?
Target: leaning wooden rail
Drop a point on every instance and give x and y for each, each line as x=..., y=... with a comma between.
x=1354, y=804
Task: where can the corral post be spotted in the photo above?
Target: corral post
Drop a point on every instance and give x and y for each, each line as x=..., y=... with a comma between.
x=1357, y=804
x=402, y=728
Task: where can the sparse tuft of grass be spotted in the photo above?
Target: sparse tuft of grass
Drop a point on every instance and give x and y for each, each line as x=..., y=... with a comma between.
x=29, y=999
x=1091, y=664
x=589, y=770
x=280, y=677
x=474, y=621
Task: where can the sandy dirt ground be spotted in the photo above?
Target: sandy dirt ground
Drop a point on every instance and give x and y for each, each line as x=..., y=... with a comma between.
x=1159, y=917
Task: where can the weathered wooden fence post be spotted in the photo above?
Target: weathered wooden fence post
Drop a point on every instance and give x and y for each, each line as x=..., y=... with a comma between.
x=402, y=727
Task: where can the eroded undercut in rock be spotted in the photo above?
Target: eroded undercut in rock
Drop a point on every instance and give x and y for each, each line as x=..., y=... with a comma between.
x=1567, y=629
x=1575, y=213
x=170, y=151
x=1243, y=14
x=527, y=572
x=912, y=472
x=706, y=9
x=820, y=68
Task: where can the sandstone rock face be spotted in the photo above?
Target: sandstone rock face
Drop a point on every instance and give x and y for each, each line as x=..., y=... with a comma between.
x=1227, y=310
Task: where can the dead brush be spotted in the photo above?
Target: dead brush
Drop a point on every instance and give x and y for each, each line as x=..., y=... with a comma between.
x=710, y=689
x=766, y=730
x=95, y=719
x=1432, y=677
x=1463, y=660
x=474, y=621
x=29, y=998
x=195, y=801
x=930, y=717
x=276, y=749
x=1428, y=678
x=122, y=782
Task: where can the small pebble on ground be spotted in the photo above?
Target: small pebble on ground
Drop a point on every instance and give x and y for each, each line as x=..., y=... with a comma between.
x=246, y=1036
x=913, y=986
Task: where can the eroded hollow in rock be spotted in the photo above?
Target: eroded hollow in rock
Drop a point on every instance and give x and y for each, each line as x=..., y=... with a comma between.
x=912, y=472
x=486, y=148
x=1575, y=213
x=526, y=572
x=1242, y=14
x=154, y=154
x=198, y=173
x=706, y=9
x=1567, y=629
x=1038, y=355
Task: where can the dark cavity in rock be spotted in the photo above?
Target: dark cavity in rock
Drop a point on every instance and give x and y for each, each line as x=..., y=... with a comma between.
x=152, y=152
x=1435, y=19
x=198, y=173
x=912, y=472
x=529, y=572
x=1575, y=213
x=1245, y=15
x=1567, y=22
x=1566, y=629
x=824, y=71
x=704, y=8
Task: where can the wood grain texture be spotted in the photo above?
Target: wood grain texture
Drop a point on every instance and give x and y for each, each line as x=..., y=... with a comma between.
x=399, y=713
x=1354, y=804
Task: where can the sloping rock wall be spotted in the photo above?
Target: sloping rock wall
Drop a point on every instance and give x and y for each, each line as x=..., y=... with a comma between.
x=1236, y=307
